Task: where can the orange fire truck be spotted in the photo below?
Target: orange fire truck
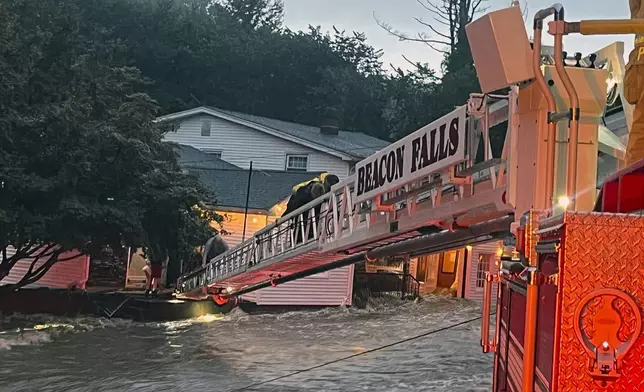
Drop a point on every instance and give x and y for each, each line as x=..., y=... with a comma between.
x=569, y=299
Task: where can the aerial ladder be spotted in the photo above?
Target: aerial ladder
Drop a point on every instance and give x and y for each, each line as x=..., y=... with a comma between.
x=437, y=189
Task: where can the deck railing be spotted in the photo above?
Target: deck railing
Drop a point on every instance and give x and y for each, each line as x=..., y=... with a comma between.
x=404, y=286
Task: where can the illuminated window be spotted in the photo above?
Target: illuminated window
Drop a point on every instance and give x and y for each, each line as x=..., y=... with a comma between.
x=297, y=163
x=449, y=262
x=482, y=266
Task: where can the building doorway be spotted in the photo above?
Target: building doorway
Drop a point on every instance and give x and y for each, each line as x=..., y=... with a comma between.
x=421, y=269
x=447, y=268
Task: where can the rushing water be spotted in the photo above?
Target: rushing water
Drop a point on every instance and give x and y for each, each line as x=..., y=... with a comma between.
x=227, y=353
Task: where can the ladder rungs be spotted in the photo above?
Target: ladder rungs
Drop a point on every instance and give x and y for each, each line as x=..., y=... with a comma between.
x=480, y=167
x=404, y=196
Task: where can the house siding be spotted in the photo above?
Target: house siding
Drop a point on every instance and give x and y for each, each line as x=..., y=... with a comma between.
x=332, y=288
x=413, y=267
x=60, y=276
x=471, y=291
x=233, y=224
x=240, y=145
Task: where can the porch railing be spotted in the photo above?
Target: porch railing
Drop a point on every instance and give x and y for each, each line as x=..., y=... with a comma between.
x=403, y=286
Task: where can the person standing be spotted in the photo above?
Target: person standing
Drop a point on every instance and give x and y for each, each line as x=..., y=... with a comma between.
x=157, y=257
x=213, y=248
x=147, y=270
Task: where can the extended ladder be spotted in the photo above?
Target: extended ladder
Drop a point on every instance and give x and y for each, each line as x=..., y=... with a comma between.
x=437, y=180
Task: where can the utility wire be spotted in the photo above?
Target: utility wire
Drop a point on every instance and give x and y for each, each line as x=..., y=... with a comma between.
x=428, y=333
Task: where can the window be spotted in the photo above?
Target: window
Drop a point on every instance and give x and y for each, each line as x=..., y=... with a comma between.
x=212, y=152
x=449, y=262
x=205, y=127
x=297, y=163
x=482, y=266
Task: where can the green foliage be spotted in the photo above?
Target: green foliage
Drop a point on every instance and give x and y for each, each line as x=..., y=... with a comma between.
x=412, y=100
x=237, y=55
x=256, y=14
x=82, y=164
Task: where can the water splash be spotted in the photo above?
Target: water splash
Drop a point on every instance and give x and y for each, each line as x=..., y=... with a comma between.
x=18, y=330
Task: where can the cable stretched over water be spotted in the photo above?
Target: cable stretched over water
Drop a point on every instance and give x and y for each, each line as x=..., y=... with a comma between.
x=428, y=333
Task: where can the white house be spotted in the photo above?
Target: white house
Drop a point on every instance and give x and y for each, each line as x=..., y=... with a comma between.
x=283, y=154
x=270, y=144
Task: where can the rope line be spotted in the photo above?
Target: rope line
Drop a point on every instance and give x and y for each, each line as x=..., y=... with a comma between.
x=428, y=333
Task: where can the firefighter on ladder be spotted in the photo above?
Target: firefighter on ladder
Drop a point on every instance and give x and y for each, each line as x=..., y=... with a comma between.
x=305, y=193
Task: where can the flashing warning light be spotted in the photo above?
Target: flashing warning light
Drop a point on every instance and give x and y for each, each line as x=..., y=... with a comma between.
x=563, y=202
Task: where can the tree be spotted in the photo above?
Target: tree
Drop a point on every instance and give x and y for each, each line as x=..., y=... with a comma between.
x=447, y=31
x=447, y=35
x=355, y=51
x=349, y=77
x=411, y=99
x=82, y=163
x=255, y=14
x=195, y=53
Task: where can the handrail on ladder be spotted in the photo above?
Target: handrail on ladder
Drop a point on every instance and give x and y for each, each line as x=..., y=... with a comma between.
x=339, y=217
x=292, y=225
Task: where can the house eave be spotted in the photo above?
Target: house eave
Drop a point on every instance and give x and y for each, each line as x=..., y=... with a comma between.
x=241, y=210
x=258, y=127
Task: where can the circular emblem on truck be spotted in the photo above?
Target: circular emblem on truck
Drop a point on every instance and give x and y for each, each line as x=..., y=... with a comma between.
x=607, y=324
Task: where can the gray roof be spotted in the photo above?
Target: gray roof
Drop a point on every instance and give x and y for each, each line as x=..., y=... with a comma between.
x=267, y=187
x=229, y=182
x=356, y=144
x=190, y=157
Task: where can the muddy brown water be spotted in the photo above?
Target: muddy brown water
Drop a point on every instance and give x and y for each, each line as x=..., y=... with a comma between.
x=227, y=353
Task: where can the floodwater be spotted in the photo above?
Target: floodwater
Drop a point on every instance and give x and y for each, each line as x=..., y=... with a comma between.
x=243, y=352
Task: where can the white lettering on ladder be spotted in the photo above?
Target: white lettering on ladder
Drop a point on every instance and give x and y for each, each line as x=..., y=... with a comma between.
x=430, y=149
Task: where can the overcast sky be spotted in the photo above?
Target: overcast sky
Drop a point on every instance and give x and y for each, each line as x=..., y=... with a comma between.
x=359, y=15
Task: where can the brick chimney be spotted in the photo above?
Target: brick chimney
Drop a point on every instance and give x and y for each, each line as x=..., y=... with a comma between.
x=331, y=123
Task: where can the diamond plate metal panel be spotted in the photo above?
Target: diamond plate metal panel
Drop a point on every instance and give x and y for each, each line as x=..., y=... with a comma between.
x=600, y=251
